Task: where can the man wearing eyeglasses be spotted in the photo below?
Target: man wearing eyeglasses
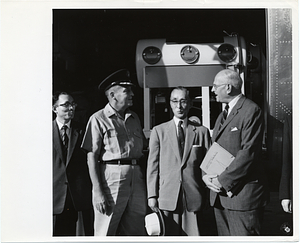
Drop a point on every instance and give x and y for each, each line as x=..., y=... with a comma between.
x=71, y=182
x=174, y=184
x=239, y=194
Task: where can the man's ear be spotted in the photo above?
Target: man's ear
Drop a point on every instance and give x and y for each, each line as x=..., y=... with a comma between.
x=111, y=94
x=228, y=88
x=54, y=109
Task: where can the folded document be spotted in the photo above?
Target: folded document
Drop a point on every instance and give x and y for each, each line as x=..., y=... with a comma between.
x=216, y=160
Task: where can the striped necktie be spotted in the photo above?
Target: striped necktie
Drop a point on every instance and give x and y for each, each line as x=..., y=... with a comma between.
x=64, y=136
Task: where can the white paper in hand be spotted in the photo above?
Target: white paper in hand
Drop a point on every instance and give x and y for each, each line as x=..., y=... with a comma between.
x=216, y=160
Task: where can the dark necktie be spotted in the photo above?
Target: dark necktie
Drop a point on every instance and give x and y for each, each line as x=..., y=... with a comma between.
x=64, y=137
x=224, y=115
x=180, y=137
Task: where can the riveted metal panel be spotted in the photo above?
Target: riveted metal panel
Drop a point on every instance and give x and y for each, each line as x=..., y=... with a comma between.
x=279, y=85
x=280, y=63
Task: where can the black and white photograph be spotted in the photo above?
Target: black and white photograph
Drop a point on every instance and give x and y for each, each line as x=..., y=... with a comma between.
x=149, y=121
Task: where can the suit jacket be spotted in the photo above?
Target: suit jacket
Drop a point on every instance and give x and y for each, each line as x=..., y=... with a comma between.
x=167, y=173
x=70, y=171
x=241, y=134
x=286, y=180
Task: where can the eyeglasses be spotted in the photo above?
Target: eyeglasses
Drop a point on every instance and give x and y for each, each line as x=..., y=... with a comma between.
x=181, y=102
x=217, y=86
x=68, y=105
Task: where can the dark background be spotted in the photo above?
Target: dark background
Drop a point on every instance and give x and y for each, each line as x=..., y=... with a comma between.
x=90, y=44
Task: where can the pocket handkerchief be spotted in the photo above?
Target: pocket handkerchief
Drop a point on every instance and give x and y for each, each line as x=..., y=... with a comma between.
x=234, y=129
x=196, y=146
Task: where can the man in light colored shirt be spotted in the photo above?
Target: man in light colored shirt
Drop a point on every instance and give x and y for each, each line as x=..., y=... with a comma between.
x=114, y=143
x=174, y=185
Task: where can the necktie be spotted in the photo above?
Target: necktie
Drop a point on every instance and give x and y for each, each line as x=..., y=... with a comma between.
x=64, y=136
x=224, y=115
x=180, y=137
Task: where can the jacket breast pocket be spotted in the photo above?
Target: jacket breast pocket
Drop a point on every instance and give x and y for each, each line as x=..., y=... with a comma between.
x=197, y=149
x=197, y=154
x=232, y=137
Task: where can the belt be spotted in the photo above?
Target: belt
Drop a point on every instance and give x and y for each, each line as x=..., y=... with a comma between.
x=121, y=162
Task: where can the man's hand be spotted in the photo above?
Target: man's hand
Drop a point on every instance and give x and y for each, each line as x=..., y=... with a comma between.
x=286, y=205
x=100, y=201
x=212, y=182
x=152, y=203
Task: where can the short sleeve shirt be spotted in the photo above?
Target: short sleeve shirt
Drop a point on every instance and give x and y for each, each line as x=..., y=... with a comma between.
x=113, y=137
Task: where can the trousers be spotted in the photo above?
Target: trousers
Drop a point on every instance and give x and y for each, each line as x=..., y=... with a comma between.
x=239, y=223
x=125, y=188
x=181, y=222
x=64, y=224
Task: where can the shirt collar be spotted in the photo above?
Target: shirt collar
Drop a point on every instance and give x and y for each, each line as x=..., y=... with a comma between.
x=233, y=102
x=68, y=124
x=110, y=111
x=176, y=120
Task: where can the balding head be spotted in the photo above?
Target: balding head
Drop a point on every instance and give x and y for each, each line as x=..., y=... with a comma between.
x=230, y=77
x=227, y=85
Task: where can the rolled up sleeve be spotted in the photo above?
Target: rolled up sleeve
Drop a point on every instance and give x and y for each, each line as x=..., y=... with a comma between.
x=93, y=137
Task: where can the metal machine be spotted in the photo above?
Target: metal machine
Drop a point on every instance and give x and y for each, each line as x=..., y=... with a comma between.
x=265, y=68
x=163, y=64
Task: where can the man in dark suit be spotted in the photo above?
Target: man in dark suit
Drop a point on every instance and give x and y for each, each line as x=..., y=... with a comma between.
x=174, y=184
x=239, y=194
x=71, y=183
x=286, y=180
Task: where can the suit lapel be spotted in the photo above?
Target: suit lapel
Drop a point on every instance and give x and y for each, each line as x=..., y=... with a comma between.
x=189, y=139
x=57, y=144
x=216, y=132
x=231, y=115
x=173, y=139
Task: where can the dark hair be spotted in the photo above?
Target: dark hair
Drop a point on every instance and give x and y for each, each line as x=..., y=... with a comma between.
x=187, y=92
x=56, y=95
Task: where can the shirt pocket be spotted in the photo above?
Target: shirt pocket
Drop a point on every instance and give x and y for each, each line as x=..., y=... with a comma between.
x=111, y=141
x=137, y=136
x=137, y=133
